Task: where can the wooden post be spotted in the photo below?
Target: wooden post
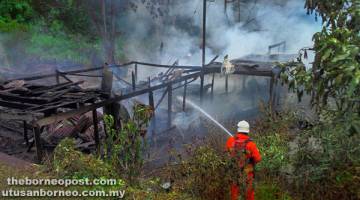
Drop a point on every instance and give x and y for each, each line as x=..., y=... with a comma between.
x=57, y=77
x=136, y=72
x=227, y=83
x=169, y=104
x=133, y=80
x=212, y=86
x=151, y=97
x=201, y=86
x=96, y=131
x=39, y=150
x=203, y=52
x=26, y=133
x=184, y=96
x=271, y=91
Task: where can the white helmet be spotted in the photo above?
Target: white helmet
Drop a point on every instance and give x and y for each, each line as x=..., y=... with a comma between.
x=243, y=127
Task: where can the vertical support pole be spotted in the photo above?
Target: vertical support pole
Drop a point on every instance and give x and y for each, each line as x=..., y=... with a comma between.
x=151, y=100
x=203, y=52
x=151, y=97
x=133, y=80
x=225, y=6
x=227, y=83
x=212, y=86
x=204, y=33
x=57, y=77
x=39, y=150
x=136, y=72
x=271, y=91
x=184, y=96
x=26, y=138
x=96, y=131
x=201, y=86
x=169, y=103
x=239, y=10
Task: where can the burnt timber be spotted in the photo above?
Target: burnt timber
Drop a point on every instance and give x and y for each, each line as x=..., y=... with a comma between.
x=39, y=106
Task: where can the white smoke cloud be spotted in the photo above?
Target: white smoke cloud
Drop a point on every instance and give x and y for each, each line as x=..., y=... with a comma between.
x=276, y=21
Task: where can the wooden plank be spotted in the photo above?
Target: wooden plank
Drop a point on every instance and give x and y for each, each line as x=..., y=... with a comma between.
x=16, y=105
x=66, y=115
x=168, y=66
x=25, y=99
x=61, y=86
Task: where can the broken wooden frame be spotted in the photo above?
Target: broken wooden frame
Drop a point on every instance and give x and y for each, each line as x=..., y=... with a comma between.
x=37, y=120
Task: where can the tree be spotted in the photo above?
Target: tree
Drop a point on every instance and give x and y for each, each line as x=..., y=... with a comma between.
x=334, y=78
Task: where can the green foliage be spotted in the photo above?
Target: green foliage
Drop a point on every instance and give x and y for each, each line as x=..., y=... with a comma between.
x=206, y=173
x=14, y=14
x=274, y=150
x=327, y=161
x=124, y=147
x=70, y=163
x=68, y=14
x=48, y=46
x=333, y=81
x=17, y=10
x=266, y=191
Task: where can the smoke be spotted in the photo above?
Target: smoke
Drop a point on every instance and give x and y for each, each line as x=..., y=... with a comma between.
x=262, y=23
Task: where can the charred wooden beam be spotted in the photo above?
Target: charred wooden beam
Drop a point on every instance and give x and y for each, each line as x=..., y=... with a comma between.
x=213, y=60
x=65, y=77
x=201, y=86
x=133, y=81
x=57, y=77
x=16, y=105
x=169, y=88
x=212, y=86
x=121, y=79
x=96, y=131
x=227, y=83
x=161, y=98
x=151, y=96
x=136, y=72
x=271, y=91
x=85, y=75
x=24, y=99
x=62, y=116
x=168, y=66
x=184, y=96
x=39, y=149
x=51, y=89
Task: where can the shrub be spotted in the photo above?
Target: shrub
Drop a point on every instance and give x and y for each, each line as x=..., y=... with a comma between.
x=124, y=147
x=70, y=163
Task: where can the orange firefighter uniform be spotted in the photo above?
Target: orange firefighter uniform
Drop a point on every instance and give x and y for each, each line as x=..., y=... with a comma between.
x=253, y=155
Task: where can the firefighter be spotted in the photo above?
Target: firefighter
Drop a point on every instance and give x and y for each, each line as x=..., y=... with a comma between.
x=241, y=142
